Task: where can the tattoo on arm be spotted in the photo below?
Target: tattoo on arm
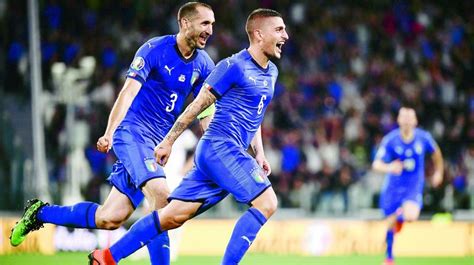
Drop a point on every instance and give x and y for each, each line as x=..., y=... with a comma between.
x=202, y=101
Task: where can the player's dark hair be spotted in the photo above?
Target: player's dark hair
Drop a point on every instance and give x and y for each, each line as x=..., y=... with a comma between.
x=408, y=105
x=260, y=13
x=190, y=9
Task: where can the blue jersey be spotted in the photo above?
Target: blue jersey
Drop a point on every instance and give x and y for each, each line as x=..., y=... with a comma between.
x=411, y=154
x=222, y=165
x=243, y=90
x=167, y=79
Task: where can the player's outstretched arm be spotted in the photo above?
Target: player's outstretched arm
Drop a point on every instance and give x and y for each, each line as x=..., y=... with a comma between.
x=204, y=99
x=438, y=165
x=122, y=104
x=394, y=167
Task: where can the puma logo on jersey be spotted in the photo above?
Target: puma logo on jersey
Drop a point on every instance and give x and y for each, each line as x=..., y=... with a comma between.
x=169, y=69
x=253, y=79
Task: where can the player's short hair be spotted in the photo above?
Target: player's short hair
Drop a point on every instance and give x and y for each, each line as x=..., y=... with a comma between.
x=189, y=10
x=257, y=14
x=408, y=105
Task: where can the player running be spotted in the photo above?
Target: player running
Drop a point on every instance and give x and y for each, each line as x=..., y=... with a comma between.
x=401, y=156
x=243, y=86
x=163, y=73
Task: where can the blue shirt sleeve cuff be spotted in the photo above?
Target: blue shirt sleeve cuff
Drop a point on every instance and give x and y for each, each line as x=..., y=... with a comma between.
x=136, y=77
x=215, y=93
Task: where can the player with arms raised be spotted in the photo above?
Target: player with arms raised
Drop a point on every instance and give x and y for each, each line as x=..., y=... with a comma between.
x=243, y=86
x=401, y=156
x=164, y=72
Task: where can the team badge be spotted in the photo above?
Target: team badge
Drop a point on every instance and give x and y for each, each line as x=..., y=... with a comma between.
x=151, y=164
x=194, y=77
x=418, y=148
x=258, y=175
x=182, y=78
x=398, y=150
x=138, y=63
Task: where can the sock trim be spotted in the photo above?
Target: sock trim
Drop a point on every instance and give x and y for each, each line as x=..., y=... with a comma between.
x=39, y=212
x=156, y=220
x=258, y=215
x=400, y=218
x=94, y=206
x=87, y=215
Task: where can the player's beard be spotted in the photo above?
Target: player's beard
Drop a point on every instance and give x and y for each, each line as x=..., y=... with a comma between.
x=198, y=39
x=193, y=40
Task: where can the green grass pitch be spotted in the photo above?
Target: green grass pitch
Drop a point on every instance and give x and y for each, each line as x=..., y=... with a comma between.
x=250, y=259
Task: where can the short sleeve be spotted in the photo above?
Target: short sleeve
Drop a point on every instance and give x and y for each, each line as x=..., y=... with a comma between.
x=207, y=68
x=224, y=76
x=384, y=151
x=430, y=143
x=142, y=63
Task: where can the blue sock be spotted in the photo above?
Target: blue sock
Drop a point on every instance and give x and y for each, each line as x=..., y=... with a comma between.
x=400, y=218
x=389, y=241
x=81, y=215
x=244, y=233
x=159, y=249
x=140, y=233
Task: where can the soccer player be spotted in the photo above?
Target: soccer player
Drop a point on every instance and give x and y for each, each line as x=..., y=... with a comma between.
x=401, y=156
x=163, y=73
x=243, y=86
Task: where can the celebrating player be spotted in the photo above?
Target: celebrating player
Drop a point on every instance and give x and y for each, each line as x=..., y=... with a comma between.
x=243, y=86
x=401, y=156
x=163, y=73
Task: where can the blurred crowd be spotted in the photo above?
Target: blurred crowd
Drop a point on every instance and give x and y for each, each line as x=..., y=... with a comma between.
x=343, y=75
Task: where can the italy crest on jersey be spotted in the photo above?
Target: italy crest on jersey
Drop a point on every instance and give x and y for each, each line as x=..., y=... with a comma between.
x=151, y=164
x=194, y=77
x=258, y=175
x=418, y=148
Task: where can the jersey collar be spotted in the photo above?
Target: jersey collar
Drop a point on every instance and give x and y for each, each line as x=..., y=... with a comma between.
x=182, y=57
x=256, y=64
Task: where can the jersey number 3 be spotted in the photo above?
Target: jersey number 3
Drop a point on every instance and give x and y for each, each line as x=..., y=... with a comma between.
x=173, y=99
x=260, y=104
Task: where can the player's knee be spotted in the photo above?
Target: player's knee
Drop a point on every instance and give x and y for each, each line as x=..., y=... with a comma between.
x=272, y=205
x=159, y=199
x=156, y=194
x=268, y=206
x=411, y=212
x=411, y=216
